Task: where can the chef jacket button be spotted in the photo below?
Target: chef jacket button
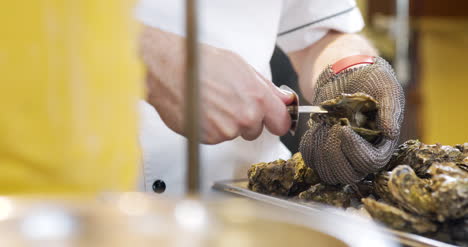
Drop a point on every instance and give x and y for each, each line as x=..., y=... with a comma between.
x=159, y=186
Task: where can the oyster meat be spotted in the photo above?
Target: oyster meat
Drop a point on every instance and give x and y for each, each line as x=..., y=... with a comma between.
x=397, y=218
x=282, y=177
x=357, y=110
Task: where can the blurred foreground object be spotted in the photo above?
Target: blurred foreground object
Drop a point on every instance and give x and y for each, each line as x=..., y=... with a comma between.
x=68, y=120
x=134, y=219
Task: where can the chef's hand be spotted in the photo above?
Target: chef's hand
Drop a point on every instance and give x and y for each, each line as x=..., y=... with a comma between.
x=339, y=155
x=235, y=99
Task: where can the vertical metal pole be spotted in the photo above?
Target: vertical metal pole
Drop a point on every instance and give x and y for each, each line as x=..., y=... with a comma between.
x=192, y=125
x=401, y=32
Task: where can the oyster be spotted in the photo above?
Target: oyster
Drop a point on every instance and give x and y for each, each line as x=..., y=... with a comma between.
x=449, y=186
x=381, y=187
x=462, y=147
x=411, y=192
x=444, y=195
x=397, y=218
x=420, y=156
x=357, y=110
x=281, y=177
x=335, y=195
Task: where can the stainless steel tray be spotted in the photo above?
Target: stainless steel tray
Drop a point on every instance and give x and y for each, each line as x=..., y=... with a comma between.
x=239, y=187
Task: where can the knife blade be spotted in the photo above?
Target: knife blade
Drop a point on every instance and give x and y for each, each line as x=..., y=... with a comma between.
x=294, y=109
x=311, y=109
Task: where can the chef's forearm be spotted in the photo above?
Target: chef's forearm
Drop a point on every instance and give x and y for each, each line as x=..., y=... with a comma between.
x=311, y=61
x=162, y=53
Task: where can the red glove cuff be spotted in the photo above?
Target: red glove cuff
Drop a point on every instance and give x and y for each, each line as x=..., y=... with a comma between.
x=350, y=61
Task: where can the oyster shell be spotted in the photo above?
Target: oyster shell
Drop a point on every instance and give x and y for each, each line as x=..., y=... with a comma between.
x=281, y=177
x=420, y=156
x=381, y=186
x=449, y=186
x=411, y=192
x=444, y=195
x=335, y=195
x=462, y=147
x=397, y=218
x=357, y=110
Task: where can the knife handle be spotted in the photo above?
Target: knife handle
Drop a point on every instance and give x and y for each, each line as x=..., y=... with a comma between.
x=293, y=109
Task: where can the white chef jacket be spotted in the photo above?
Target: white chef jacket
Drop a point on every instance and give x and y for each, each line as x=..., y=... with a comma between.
x=249, y=28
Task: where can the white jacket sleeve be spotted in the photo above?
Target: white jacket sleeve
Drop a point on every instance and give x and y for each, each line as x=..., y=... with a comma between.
x=303, y=22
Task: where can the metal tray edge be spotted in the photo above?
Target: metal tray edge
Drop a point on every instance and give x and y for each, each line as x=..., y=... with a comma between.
x=407, y=239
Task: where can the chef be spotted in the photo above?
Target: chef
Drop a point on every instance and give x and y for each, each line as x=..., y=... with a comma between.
x=242, y=112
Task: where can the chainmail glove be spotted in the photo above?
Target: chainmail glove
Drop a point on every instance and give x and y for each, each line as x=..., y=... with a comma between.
x=335, y=151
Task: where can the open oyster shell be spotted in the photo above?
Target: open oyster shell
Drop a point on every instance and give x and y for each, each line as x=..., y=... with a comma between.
x=397, y=218
x=357, y=110
x=281, y=177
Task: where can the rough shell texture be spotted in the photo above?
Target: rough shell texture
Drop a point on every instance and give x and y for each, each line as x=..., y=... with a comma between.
x=420, y=156
x=411, y=192
x=438, y=186
x=280, y=177
x=381, y=186
x=357, y=110
x=397, y=218
x=335, y=195
x=449, y=184
x=462, y=147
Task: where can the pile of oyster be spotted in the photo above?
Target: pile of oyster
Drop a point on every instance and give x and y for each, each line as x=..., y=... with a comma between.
x=423, y=189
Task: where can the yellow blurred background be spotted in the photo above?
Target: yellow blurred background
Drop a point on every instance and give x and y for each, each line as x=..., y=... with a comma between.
x=70, y=85
x=444, y=79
